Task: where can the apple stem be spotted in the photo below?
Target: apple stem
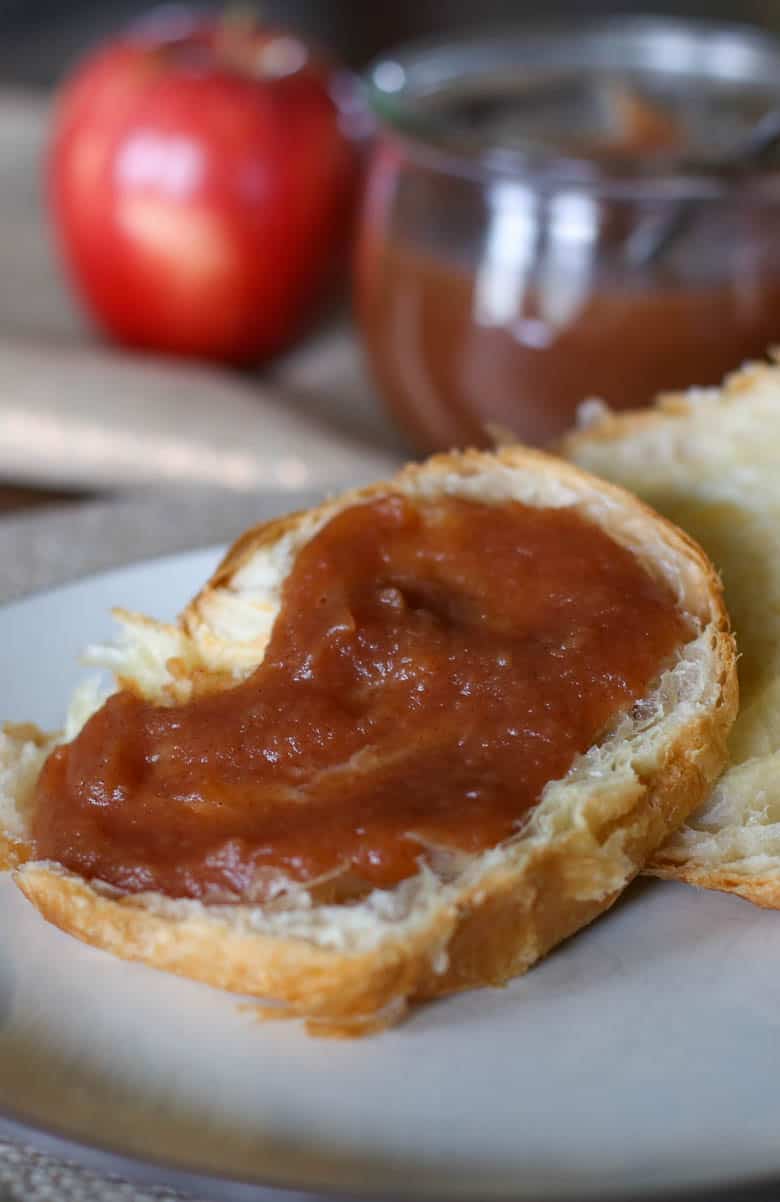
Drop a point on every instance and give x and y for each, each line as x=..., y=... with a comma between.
x=236, y=24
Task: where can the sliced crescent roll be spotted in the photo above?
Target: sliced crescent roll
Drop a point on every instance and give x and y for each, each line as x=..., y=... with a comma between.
x=352, y=965
x=709, y=459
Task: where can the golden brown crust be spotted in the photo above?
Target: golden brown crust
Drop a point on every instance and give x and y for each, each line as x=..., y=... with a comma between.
x=12, y=853
x=487, y=931
x=464, y=463
x=494, y=932
x=679, y=478
x=761, y=890
x=253, y=539
x=611, y=427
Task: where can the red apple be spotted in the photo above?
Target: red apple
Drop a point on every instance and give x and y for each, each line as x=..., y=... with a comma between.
x=200, y=181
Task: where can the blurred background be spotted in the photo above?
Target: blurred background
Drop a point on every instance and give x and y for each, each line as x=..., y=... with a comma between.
x=40, y=37
x=477, y=303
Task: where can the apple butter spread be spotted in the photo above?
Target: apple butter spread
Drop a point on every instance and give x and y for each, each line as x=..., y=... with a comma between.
x=452, y=372
x=549, y=219
x=432, y=666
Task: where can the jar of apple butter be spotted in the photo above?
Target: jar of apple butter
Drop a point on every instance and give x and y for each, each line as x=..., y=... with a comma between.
x=553, y=217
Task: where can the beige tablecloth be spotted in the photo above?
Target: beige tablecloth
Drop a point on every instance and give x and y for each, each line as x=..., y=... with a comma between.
x=76, y=413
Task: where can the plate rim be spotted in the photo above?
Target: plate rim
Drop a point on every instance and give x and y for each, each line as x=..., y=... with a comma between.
x=217, y=548
x=109, y=1158
x=221, y=1187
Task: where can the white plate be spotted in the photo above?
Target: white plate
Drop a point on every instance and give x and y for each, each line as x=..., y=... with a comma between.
x=641, y=1057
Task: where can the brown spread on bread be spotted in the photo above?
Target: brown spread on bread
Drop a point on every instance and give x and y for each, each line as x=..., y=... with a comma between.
x=433, y=665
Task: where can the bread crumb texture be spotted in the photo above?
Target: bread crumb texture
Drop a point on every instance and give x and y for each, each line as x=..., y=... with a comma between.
x=710, y=460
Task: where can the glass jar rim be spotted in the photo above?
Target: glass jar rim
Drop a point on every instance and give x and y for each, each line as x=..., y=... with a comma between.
x=397, y=82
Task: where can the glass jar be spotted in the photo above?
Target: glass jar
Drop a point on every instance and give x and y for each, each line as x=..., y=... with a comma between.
x=550, y=218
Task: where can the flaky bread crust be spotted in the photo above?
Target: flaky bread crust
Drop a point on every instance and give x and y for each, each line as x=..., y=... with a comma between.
x=587, y=838
x=710, y=458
